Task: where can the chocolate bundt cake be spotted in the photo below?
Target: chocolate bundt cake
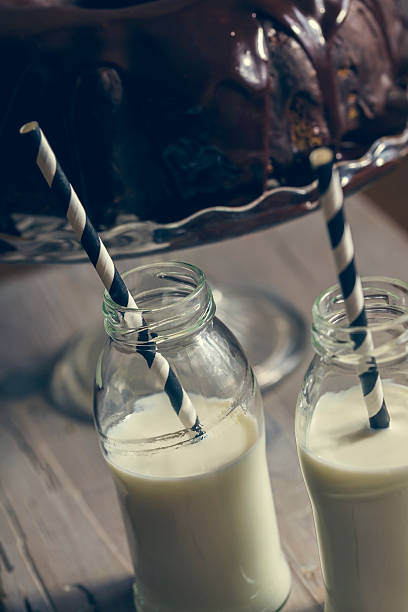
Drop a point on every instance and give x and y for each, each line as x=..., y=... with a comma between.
x=166, y=107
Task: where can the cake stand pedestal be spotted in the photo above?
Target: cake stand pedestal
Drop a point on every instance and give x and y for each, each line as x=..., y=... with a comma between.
x=271, y=331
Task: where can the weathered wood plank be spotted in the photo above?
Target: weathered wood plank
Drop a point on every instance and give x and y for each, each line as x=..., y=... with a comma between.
x=23, y=587
x=61, y=540
x=85, y=474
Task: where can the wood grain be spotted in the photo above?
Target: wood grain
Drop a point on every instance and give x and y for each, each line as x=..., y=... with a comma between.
x=62, y=543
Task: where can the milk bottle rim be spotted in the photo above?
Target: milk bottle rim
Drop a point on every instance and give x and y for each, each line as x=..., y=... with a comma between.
x=386, y=302
x=174, y=299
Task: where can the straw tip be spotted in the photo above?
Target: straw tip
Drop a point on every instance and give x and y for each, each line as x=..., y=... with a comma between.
x=320, y=157
x=29, y=127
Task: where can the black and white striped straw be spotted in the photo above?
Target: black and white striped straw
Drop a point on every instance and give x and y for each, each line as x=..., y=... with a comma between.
x=331, y=200
x=107, y=271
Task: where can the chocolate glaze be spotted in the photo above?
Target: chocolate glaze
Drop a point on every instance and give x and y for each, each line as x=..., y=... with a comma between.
x=314, y=23
x=162, y=108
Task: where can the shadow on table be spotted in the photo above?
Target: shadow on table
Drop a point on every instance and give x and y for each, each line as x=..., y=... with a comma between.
x=118, y=596
x=22, y=382
x=114, y=595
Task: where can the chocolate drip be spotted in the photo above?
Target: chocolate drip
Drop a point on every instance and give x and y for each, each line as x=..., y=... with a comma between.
x=235, y=55
x=193, y=121
x=377, y=8
x=314, y=24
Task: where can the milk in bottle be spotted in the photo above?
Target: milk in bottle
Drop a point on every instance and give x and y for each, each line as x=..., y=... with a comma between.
x=198, y=507
x=357, y=479
x=200, y=518
x=357, y=476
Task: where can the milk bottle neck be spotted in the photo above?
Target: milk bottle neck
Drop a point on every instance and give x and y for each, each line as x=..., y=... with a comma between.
x=386, y=303
x=174, y=300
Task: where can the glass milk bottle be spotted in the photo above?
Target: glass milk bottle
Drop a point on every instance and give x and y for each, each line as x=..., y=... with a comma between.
x=357, y=477
x=198, y=510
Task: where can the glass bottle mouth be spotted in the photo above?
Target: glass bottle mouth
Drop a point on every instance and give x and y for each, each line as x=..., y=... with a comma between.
x=173, y=298
x=386, y=304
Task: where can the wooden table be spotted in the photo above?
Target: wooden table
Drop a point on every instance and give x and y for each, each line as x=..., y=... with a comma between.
x=62, y=544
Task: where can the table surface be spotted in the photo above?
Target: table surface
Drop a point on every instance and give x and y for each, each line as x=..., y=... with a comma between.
x=62, y=543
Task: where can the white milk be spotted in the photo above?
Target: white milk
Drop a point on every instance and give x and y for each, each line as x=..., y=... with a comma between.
x=358, y=482
x=200, y=519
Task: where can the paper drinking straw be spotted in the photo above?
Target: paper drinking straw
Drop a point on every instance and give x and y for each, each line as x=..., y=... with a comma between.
x=106, y=269
x=331, y=200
